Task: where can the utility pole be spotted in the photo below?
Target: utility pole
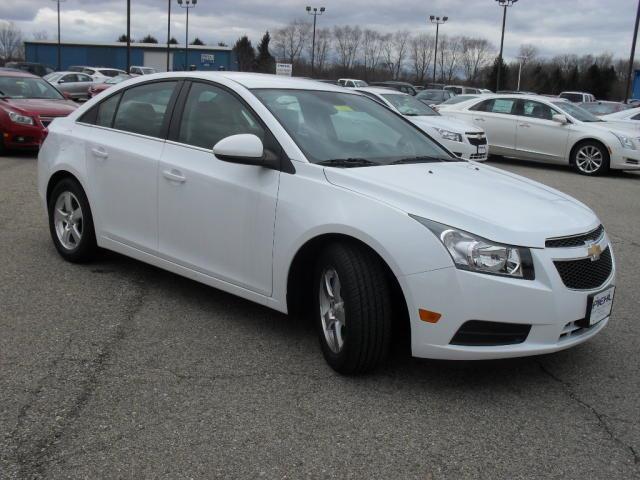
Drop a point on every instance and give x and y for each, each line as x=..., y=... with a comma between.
x=504, y=4
x=59, y=42
x=315, y=12
x=128, y=36
x=168, y=34
x=633, y=55
x=438, y=21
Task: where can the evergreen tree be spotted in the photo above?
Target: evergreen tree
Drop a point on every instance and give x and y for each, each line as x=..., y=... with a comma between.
x=197, y=41
x=173, y=41
x=265, y=63
x=245, y=54
x=493, y=75
x=123, y=38
x=148, y=39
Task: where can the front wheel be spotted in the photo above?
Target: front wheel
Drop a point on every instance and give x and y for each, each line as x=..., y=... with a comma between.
x=353, y=308
x=591, y=158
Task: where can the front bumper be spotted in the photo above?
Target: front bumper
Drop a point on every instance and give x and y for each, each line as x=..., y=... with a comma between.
x=476, y=151
x=624, y=159
x=546, y=304
x=27, y=137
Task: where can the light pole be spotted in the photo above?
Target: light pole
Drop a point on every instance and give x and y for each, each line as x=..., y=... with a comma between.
x=504, y=4
x=188, y=5
x=438, y=21
x=128, y=36
x=315, y=12
x=168, y=33
x=633, y=54
x=59, y=57
x=522, y=58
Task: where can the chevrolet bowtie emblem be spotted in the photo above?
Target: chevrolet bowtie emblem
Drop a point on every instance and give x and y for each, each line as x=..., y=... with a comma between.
x=594, y=250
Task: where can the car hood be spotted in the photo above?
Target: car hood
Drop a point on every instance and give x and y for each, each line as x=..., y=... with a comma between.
x=483, y=200
x=448, y=123
x=41, y=106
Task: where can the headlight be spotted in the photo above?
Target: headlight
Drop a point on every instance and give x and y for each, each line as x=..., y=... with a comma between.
x=625, y=141
x=477, y=254
x=449, y=135
x=21, y=119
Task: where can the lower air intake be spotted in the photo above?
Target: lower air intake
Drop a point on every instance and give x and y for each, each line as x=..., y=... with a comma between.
x=479, y=333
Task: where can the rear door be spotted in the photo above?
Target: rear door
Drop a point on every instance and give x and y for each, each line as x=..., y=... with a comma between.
x=497, y=117
x=538, y=136
x=217, y=217
x=122, y=151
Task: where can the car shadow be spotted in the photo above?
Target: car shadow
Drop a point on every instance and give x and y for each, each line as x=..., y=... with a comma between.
x=277, y=328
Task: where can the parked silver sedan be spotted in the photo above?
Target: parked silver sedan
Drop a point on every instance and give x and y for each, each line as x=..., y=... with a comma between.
x=75, y=84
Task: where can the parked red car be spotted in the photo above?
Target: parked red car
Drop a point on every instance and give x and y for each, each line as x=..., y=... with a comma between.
x=96, y=88
x=28, y=104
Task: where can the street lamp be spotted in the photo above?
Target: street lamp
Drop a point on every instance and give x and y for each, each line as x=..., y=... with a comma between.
x=437, y=21
x=504, y=4
x=632, y=58
x=523, y=59
x=168, y=33
x=188, y=5
x=59, y=61
x=128, y=36
x=315, y=12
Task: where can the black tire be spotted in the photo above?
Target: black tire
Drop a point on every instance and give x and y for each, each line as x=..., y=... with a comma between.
x=577, y=162
x=366, y=296
x=3, y=149
x=85, y=249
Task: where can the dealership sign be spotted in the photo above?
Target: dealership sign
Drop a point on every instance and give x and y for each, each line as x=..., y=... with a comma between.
x=283, y=69
x=207, y=58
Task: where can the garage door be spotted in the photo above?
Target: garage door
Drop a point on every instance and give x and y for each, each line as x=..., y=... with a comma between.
x=157, y=60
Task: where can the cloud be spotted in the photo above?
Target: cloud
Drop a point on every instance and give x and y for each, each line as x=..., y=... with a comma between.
x=554, y=26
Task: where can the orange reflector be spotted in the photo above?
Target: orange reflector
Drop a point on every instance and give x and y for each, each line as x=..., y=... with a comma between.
x=427, y=316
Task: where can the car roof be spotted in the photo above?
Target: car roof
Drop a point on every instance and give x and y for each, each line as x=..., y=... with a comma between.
x=17, y=73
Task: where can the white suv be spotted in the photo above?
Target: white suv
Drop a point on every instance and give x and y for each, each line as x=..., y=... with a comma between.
x=577, y=97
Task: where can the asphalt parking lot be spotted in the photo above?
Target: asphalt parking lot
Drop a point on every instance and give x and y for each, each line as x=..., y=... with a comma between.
x=119, y=370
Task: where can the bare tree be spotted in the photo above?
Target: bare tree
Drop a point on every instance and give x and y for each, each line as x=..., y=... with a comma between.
x=528, y=51
x=476, y=54
x=449, y=60
x=348, y=40
x=395, y=51
x=371, y=51
x=421, y=53
x=323, y=48
x=10, y=41
x=289, y=40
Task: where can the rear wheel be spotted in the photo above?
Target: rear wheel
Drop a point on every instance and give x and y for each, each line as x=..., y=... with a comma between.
x=71, y=222
x=590, y=158
x=353, y=308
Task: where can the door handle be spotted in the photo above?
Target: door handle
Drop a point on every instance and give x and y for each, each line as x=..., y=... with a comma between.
x=174, y=176
x=99, y=152
x=524, y=125
x=479, y=119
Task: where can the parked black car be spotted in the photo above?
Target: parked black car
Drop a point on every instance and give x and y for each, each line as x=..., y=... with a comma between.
x=31, y=67
x=404, y=87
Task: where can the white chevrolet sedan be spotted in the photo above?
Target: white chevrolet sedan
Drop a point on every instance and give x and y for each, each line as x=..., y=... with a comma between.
x=532, y=127
x=314, y=200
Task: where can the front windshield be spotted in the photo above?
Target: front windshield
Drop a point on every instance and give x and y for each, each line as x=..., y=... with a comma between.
x=26, y=87
x=576, y=112
x=118, y=79
x=360, y=83
x=336, y=126
x=459, y=99
x=409, y=106
x=603, y=108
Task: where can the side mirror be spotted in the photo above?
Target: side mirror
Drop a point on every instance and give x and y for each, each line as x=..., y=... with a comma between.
x=558, y=117
x=245, y=149
x=62, y=80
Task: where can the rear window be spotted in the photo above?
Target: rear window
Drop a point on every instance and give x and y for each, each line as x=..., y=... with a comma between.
x=496, y=105
x=572, y=97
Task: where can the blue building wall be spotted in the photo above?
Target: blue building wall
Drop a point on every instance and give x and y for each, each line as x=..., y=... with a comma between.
x=636, y=85
x=116, y=56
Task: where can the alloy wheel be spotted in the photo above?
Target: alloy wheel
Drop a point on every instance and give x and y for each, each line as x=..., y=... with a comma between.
x=332, y=312
x=67, y=220
x=589, y=159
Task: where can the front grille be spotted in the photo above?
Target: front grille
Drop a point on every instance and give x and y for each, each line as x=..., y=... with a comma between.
x=480, y=333
x=575, y=240
x=631, y=161
x=477, y=156
x=476, y=139
x=585, y=274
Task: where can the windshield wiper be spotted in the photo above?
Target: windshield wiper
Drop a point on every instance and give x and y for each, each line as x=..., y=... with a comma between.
x=348, y=162
x=423, y=159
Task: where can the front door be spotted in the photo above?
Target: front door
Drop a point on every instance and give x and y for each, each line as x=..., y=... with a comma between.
x=538, y=136
x=217, y=217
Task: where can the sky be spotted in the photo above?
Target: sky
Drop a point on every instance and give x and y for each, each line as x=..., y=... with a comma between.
x=553, y=26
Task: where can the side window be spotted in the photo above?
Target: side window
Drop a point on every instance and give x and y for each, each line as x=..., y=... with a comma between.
x=72, y=77
x=496, y=105
x=142, y=109
x=537, y=110
x=211, y=114
x=483, y=106
x=106, y=110
x=84, y=78
x=636, y=117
